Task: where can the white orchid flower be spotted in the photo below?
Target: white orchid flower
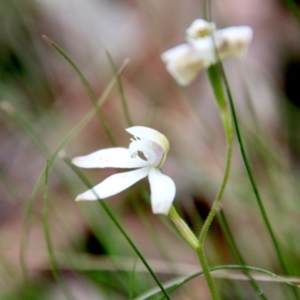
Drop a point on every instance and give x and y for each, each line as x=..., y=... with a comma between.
x=185, y=61
x=147, y=152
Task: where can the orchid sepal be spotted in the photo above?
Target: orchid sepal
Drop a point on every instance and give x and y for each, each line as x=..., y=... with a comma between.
x=113, y=185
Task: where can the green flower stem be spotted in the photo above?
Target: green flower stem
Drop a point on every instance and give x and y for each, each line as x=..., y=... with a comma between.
x=217, y=87
x=253, y=182
x=183, y=228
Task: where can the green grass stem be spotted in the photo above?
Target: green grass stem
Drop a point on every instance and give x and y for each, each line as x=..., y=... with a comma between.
x=124, y=104
x=226, y=120
x=117, y=224
x=235, y=250
x=27, y=128
x=87, y=88
x=174, y=284
x=52, y=261
x=252, y=179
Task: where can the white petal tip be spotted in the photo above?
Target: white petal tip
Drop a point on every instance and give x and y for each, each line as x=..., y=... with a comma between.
x=75, y=161
x=78, y=198
x=165, y=212
x=163, y=208
x=163, y=192
x=84, y=162
x=81, y=197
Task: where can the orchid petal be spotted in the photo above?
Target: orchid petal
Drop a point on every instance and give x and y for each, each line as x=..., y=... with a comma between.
x=151, y=135
x=233, y=40
x=162, y=192
x=114, y=185
x=183, y=63
x=109, y=158
x=144, y=146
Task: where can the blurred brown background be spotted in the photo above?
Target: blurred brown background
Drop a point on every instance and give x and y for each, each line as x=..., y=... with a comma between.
x=46, y=92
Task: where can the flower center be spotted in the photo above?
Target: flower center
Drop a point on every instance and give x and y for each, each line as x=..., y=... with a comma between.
x=146, y=150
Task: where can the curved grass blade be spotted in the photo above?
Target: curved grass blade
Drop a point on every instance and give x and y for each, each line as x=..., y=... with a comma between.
x=174, y=284
x=26, y=126
x=26, y=226
x=221, y=71
x=87, y=88
x=52, y=261
x=131, y=286
x=234, y=248
x=114, y=219
x=260, y=203
x=121, y=91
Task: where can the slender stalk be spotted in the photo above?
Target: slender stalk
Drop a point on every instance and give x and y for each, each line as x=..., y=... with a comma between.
x=222, y=103
x=228, y=234
x=219, y=66
x=206, y=272
x=175, y=284
x=214, y=73
x=219, y=91
x=26, y=227
x=251, y=176
x=216, y=84
x=52, y=261
x=183, y=228
x=121, y=91
x=26, y=126
x=253, y=182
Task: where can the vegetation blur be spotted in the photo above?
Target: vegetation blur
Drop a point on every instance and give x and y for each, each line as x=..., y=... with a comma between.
x=98, y=71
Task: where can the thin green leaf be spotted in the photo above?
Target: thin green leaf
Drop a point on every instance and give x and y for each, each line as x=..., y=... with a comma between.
x=26, y=126
x=52, y=261
x=87, y=88
x=121, y=91
x=174, y=284
x=117, y=224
